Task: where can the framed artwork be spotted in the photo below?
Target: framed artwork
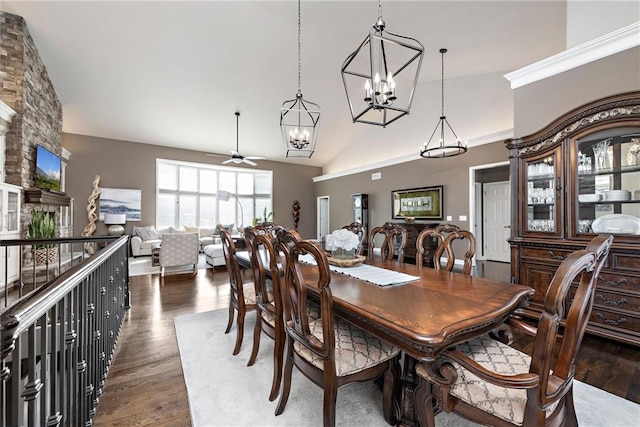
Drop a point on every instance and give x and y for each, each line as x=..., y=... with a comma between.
x=120, y=200
x=419, y=203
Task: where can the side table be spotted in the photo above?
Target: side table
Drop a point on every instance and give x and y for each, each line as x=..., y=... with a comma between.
x=155, y=256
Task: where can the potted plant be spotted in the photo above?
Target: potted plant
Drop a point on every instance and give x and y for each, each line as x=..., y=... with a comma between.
x=266, y=217
x=43, y=226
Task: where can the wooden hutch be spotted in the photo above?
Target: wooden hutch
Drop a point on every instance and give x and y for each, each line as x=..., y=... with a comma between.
x=580, y=176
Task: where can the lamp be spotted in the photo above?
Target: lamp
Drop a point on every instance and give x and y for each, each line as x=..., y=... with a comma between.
x=115, y=222
x=385, y=68
x=441, y=149
x=225, y=196
x=299, y=119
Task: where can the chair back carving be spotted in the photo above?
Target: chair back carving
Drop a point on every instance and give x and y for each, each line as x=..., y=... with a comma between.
x=361, y=231
x=447, y=235
x=395, y=241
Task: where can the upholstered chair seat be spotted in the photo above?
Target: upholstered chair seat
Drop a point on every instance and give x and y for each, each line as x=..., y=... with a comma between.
x=506, y=403
x=355, y=349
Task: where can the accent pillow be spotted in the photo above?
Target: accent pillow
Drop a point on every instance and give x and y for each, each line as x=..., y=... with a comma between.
x=228, y=227
x=207, y=232
x=146, y=233
x=179, y=230
x=194, y=230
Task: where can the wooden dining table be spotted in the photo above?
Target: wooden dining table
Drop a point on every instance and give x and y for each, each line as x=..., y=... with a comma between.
x=424, y=316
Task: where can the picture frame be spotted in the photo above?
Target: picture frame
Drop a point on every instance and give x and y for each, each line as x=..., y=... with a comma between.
x=418, y=203
x=121, y=200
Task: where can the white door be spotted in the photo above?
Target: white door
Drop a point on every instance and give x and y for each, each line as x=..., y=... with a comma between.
x=323, y=217
x=497, y=221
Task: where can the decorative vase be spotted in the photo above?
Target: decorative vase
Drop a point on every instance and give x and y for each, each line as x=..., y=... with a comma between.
x=343, y=254
x=46, y=255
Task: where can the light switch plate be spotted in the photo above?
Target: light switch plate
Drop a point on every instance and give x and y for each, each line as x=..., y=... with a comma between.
x=376, y=175
x=449, y=218
x=463, y=217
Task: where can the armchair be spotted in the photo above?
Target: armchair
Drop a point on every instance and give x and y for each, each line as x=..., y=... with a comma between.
x=178, y=250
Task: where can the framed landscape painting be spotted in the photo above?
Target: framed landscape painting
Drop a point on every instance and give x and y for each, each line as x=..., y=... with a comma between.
x=120, y=200
x=418, y=203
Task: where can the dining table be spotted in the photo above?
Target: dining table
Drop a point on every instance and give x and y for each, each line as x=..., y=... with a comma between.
x=421, y=311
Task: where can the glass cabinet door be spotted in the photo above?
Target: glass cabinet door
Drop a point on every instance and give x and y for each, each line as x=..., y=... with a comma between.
x=542, y=187
x=608, y=182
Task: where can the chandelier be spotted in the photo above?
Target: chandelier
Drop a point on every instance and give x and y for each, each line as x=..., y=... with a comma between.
x=299, y=119
x=441, y=148
x=385, y=68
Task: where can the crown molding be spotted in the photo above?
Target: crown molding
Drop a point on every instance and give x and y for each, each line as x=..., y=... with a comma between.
x=601, y=47
x=486, y=139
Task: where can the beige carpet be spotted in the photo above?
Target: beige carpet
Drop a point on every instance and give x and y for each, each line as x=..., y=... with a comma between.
x=223, y=391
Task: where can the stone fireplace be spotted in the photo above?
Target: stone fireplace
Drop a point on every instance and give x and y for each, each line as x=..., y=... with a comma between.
x=27, y=89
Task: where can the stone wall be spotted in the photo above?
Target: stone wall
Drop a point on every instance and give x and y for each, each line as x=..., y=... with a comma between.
x=25, y=86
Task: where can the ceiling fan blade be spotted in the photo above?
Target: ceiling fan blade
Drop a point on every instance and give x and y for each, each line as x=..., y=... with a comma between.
x=255, y=157
x=249, y=162
x=216, y=155
x=228, y=161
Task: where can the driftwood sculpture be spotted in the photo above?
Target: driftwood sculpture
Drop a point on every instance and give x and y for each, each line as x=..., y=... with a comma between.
x=92, y=215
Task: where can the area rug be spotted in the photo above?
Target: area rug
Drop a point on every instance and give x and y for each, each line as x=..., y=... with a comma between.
x=223, y=391
x=139, y=266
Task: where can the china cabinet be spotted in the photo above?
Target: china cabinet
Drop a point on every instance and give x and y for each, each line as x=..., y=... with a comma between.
x=9, y=229
x=577, y=177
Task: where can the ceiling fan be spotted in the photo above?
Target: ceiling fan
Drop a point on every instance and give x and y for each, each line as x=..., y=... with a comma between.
x=236, y=157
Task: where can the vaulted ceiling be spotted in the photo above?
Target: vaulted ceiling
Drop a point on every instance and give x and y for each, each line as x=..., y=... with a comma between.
x=173, y=73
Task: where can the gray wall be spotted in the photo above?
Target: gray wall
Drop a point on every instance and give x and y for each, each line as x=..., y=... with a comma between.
x=539, y=103
x=452, y=172
x=123, y=164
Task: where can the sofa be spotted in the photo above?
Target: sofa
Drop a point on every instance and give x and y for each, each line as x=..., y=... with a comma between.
x=145, y=239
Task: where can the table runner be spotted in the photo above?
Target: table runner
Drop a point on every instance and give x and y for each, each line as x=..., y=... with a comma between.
x=368, y=273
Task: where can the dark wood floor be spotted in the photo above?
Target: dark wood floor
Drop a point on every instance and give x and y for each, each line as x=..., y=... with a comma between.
x=145, y=385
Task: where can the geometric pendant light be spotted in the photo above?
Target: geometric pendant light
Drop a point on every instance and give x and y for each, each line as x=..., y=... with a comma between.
x=299, y=119
x=381, y=75
x=441, y=148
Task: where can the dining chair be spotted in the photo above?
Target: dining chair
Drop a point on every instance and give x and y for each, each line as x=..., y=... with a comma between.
x=361, y=231
x=486, y=381
x=260, y=242
x=394, y=240
x=329, y=351
x=243, y=295
x=447, y=235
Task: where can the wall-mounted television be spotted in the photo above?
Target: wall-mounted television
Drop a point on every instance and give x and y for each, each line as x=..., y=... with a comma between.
x=48, y=167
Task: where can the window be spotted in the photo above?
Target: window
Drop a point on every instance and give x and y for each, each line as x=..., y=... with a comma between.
x=186, y=194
